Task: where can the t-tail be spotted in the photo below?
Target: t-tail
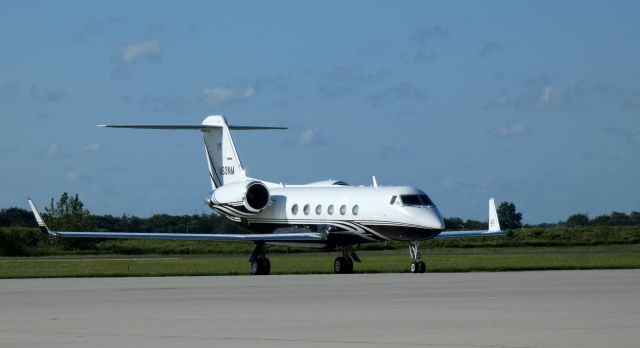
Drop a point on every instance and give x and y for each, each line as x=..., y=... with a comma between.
x=222, y=158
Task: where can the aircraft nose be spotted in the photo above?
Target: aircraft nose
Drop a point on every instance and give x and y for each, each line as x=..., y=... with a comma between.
x=434, y=219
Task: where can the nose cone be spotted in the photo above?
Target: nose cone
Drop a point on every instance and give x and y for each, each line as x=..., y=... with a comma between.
x=427, y=217
x=433, y=219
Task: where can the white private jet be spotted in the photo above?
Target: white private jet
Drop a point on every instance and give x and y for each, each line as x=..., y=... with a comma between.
x=325, y=214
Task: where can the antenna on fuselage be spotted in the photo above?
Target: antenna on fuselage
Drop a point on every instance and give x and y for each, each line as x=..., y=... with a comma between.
x=375, y=182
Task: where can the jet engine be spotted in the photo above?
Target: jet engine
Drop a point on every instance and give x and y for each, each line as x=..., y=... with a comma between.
x=252, y=195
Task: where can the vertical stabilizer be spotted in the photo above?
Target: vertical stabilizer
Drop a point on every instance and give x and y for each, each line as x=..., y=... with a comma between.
x=494, y=223
x=222, y=158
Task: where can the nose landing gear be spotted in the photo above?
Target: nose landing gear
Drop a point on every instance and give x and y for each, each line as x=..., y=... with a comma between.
x=417, y=265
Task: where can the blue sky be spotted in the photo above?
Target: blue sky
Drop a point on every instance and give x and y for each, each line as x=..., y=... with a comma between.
x=533, y=102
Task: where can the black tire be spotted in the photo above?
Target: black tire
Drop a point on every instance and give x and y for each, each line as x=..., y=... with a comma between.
x=339, y=265
x=422, y=267
x=266, y=266
x=255, y=268
x=261, y=267
x=348, y=267
x=414, y=267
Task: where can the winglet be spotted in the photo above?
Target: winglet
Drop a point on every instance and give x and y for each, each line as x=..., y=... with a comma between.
x=494, y=223
x=39, y=220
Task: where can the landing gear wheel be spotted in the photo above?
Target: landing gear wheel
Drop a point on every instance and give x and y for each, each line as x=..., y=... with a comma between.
x=260, y=264
x=342, y=265
x=266, y=266
x=261, y=267
x=422, y=267
x=415, y=267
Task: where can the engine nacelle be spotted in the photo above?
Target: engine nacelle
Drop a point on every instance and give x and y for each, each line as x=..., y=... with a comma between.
x=252, y=195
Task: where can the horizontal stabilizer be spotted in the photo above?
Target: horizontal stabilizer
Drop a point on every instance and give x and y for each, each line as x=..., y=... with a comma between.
x=184, y=127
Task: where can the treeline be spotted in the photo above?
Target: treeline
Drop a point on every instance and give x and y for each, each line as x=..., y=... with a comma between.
x=18, y=217
x=29, y=241
x=576, y=220
x=614, y=219
x=19, y=235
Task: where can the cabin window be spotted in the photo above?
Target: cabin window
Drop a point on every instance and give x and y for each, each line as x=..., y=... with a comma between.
x=355, y=209
x=306, y=209
x=294, y=209
x=330, y=209
x=343, y=209
x=318, y=209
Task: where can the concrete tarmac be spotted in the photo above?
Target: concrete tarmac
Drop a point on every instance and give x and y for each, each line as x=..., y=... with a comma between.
x=509, y=309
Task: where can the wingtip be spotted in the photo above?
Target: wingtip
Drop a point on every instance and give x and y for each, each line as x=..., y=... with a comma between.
x=39, y=220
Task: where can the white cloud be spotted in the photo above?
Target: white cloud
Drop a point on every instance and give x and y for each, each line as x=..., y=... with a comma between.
x=72, y=174
x=348, y=79
x=540, y=95
x=216, y=96
x=405, y=91
x=311, y=137
x=499, y=100
x=510, y=131
x=390, y=153
x=633, y=102
x=130, y=53
x=40, y=92
x=594, y=87
x=549, y=95
x=451, y=182
x=423, y=56
x=89, y=148
x=51, y=151
x=491, y=48
x=631, y=137
x=427, y=36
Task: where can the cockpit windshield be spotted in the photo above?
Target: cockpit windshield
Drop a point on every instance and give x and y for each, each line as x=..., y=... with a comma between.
x=417, y=200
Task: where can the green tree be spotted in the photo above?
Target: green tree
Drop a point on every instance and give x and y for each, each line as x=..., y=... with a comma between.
x=577, y=220
x=453, y=224
x=634, y=218
x=618, y=219
x=508, y=216
x=16, y=217
x=69, y=214
x=601, y=220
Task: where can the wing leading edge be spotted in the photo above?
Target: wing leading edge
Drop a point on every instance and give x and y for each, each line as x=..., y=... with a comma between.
x=492, y=230
x=274, y=237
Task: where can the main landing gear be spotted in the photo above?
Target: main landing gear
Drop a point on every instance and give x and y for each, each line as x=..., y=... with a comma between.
x=344, y=263
x=417, y=265
x=260, y=264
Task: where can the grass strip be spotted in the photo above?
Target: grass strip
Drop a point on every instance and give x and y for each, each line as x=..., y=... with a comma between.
x=310, y=263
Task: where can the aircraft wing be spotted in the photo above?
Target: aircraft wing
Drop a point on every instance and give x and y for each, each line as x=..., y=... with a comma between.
x=492, y=230
x=460, y=234
x=302, y=236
